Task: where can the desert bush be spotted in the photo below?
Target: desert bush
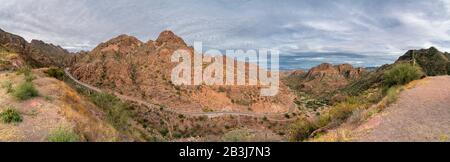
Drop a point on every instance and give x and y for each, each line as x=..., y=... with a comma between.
x=24, y=70
x=401, y=74
x=345, y=109
x=207, y=110
x=357, y=116
x=25, y=91
x=116, y=111
x=244, y=102
x=238, y=135
x=57, y=73
x=221, y=89
x=63, y=135
x=8, y=86
x=29, y=78
x=10, y=115
x=392, y=94
x=302, y=129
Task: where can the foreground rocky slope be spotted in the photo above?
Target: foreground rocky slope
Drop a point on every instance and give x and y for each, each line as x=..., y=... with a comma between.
x=56, y=108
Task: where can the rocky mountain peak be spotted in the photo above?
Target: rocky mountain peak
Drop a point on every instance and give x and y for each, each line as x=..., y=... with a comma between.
x=124, y=40
x=169, y=37
x=321, y=71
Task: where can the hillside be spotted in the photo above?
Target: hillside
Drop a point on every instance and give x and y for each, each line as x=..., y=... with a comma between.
x=16, y=51
x=388, y=105
x=324, y=78
x=143, y=70
x=432, y=61
x=56, y=111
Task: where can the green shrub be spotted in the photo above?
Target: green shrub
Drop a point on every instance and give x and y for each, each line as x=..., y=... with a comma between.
x=116, y=110
x=243, y=102
x=57, y=73
x=238, y=135
x=29, y=77
x=10, y=115
x=402, y=74
x=392, y=94
x=343, y=110
x=25, y=91
x=63, y=135
x=24, y=70
x=302, y=129
x=8, y=86
x=207, y=110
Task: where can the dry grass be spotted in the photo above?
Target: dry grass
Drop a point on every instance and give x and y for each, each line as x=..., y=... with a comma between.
x=41, y=116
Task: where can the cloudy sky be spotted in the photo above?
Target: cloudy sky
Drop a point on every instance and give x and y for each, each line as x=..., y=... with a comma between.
x=360, y=32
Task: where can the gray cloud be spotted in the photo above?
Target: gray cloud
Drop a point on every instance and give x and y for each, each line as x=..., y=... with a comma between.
x=376, y=29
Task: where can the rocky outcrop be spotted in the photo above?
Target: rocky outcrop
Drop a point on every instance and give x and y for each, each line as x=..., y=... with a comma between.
x=326, y=70
x=327, y=77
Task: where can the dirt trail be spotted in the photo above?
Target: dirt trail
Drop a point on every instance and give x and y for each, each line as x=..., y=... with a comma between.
x=420, y=114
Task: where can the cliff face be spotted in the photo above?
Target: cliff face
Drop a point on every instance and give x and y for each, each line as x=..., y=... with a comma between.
x=35, y=54
x=143, y=70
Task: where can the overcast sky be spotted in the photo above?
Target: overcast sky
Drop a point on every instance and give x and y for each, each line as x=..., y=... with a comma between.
x=379, y=29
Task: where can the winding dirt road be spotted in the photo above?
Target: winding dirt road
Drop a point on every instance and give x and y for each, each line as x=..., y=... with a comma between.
x=421, y=114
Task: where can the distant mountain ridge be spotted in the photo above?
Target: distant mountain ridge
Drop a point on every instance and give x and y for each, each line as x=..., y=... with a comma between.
x=36, y=53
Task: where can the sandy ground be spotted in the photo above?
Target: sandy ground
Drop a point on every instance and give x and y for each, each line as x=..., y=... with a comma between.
x=420, y=114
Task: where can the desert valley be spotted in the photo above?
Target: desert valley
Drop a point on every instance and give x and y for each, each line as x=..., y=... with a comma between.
x=122, y=91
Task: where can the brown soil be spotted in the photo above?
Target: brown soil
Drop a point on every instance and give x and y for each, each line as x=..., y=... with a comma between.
x=57, y=106
x=420, y=114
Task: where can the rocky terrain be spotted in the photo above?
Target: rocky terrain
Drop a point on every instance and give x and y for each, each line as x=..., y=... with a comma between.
x=122, y=91
x=326, y=77
x=143, y=70
x=16, y=52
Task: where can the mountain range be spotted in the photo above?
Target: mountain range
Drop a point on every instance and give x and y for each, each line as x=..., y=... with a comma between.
x=139, y=74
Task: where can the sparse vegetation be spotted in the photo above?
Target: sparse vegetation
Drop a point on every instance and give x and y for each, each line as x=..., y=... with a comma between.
x=401, y=74
x=24, y=70
x=207, y=109
x=242, y=102
x=116, y=110
x=302, y=129
x=25, y=91
x=238, y=135
x=8, y=86
x=335, y=115
x=63, y=135
x=57, y=73
x=10, y=115
x=392, y=94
